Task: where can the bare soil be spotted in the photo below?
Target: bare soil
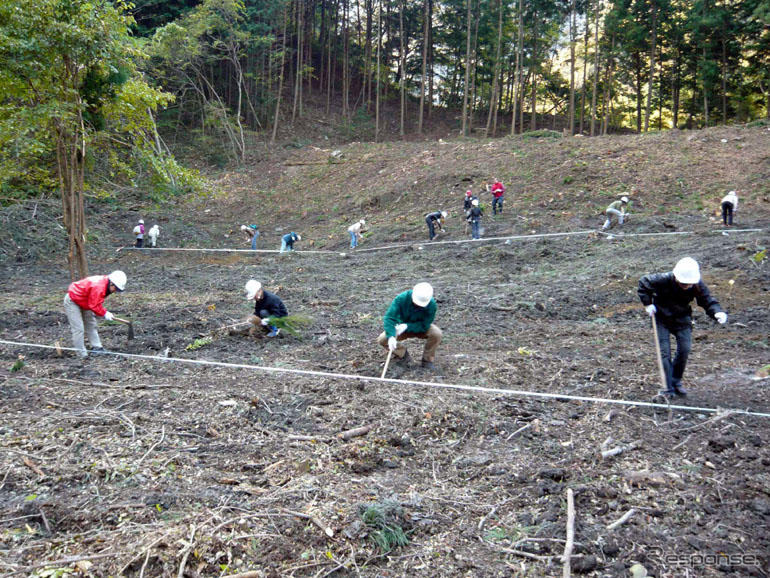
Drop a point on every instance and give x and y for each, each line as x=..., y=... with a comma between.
x=141, y=467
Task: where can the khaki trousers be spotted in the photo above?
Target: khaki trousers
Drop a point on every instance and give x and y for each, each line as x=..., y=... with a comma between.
x=81, y=322
x=432, y=337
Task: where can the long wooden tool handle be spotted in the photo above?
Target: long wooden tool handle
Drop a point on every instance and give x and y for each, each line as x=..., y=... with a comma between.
x=126, y=321
x=387, y=362
x=657, y=350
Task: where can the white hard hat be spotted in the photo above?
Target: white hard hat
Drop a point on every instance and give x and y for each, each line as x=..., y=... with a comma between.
x=422, y=293
x=243, y=227
x=687, y=271
x=252, y=288
x=443, y=214
x=624, y=199
x=141, y=221
x=118, y=278
x=362, y=221
x=475, y=202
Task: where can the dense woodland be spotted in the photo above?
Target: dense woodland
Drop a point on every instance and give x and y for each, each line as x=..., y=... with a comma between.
x=96, y=93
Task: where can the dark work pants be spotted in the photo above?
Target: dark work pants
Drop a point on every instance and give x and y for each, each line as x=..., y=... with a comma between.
x=674, y=371
x=139, y=243
x=727, y=213
x=497, y=205
x=431, y=228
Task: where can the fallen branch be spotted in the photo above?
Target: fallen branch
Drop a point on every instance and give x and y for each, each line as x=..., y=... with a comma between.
x=249, y=574
x=570, y=533
x=521, y=429
x=188, y=548
x=31, y=465
x=619, y=450
x=622, y=520
x=147, y=453
x=355, y=432
x=328, y=531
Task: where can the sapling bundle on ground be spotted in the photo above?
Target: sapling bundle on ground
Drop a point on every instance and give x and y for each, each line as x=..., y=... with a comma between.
x=291, y=324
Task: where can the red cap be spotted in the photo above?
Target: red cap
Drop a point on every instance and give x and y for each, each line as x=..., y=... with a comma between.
x=468, y=193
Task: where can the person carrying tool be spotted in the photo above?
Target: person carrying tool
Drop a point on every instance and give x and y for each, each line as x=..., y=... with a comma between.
x=433, y=219
x=474, y=218
x=266, y=305
x=355, y=233
x=616, y=209
x=252, y=233
x=139, y=233
x=411, y=314
x=85, y=300
x=287, y=241
x=153, y=234
x=467, y=205
x=729, y=206
x=666, y=298
x=498, y=192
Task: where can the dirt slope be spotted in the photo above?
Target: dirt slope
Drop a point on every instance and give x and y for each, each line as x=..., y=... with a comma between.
x=143, y=467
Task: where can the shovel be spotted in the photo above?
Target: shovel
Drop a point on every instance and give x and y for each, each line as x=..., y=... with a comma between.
x=127, y=322
x=387, y=362
x=657, y=350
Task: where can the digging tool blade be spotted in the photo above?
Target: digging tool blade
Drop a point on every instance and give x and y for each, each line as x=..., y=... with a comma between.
x=130, y=326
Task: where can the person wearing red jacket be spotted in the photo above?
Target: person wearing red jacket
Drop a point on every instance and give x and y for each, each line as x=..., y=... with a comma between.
x=498, y=191
x=85, y=300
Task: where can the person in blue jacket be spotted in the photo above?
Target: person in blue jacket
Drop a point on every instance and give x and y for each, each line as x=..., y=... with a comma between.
x=287, y=241
x=266, y=305
x=252, y=232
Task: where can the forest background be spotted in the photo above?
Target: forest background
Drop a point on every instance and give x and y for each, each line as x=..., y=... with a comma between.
x=101, y=98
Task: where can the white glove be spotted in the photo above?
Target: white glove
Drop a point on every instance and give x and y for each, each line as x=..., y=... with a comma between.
x=109, y=316
x=651, y=309
x=400, y=328
x=264, y=321
x=392, y=343
x=721, y=317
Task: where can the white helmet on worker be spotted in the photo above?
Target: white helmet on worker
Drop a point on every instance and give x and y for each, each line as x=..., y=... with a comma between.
x=141, y=221
x=252, y=288
x=362, y=221
x=443, y=214
x=687, y=271
x=118, y=278
x=624, y=199
x=243, y=227
x=422, y=294
x=475, y=202
x=299, y=237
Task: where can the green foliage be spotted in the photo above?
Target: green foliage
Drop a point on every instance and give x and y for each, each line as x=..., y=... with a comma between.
x=18, y=365
x=291, y=323
x=759, y=257
x=385, y=520
x=198, y=343
x=544, y=133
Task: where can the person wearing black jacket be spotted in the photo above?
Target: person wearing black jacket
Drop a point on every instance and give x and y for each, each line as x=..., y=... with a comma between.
x=266, y=305
x=433, y=219
x=667, y=298
x=474, y=218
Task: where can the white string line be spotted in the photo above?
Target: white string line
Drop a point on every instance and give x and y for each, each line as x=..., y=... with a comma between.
x=424, y=244
x=438, y=385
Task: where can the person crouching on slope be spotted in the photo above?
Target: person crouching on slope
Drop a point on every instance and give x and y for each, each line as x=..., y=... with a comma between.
x=266, y=305
x=85, y=300
x=666, y=297
x=411, y=314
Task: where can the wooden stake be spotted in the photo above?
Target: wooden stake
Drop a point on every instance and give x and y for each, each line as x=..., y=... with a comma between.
x=570, y=533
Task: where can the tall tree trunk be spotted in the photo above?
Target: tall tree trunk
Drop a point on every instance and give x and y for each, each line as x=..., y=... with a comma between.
x=724, y=78
x=474, y=67
x=585, y=71
x=596, y=68
x=533, y=117
x=424, y=68
x=517, y=74
x=571, y=111
x=402, y=65
x=280, y=76
x=377, y=91
x=675, y=82
x=493, y=98
x=653, y=49
x=298, y=71
x=607, y=89
x=705, y=93
x=369, y=7
x=467, y=69
x=345, y=60
x=430, y=58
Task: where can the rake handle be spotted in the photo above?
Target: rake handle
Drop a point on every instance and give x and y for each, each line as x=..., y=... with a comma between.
x=387, y=362
x=657, y=351
x=126, y=321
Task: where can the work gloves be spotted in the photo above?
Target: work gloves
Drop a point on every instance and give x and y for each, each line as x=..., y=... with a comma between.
x=400, y=328
x=265, y=322
x=651, y=309
x=109, y=316
x=721, y=317
x=392, y=344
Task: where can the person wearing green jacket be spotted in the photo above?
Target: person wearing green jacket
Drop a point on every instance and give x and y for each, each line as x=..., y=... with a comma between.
x=411, y=314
